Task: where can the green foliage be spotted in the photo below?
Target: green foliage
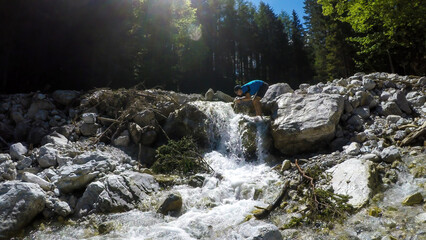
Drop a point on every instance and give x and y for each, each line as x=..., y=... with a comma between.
x=180, y=157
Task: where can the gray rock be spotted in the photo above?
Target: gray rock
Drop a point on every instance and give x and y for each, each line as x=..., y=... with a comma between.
x=399, y=135
x=258, y=230
x=145, y=118
x=89, y=118
x=421, y=82
x=385, y=96
x=62, y=208
x=29, y=177
x=390, y=154
x=348, y=107
x=305, y=123
x=370, y=157
x=363, y=112
x=123, y=140
x=304, y=86
x=314, y=89
x=273, y=92
x=368, y=83
x=66, y=130
x=8, y=170
x=221, y=96
x=24, y=163
x=401, y=101
x=393, y=118
x=389, y=108
x=209, y=95
x=146, y=155
x=247, y=108
x=171, y=205
x=21, y=131
x=37, y=105
x=416, y=99
x=353, y=149
x=89, y=130
x=17, y=151
x=286, y=165
x=55, y=139
x=116, y=193
x=75, y=177
x=65, y=97
x=135, y=132
x=148, y=137
x=354, y=178
x=36, y=134
x=356, y=122
x=20, y=203
x=4, y=157
x=47, y=155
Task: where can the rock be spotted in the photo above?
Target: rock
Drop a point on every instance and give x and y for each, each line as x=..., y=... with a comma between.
x=123, y=140
x=21, y=131
x=8, y=170
x=413, y=199
x=421, y=218
x=145, y=118
x=196, y=181
x=389, y=108
x=246, y=108
x=304, y=86
x=422, y=82
x=348, y=107
x=40, y=104
x=65, y=97
x=149, y=136
x=353, y=149
x=370, y=157
x=368, y=83
x=116, y=193
x=221, y=96
x=75, y=177
x=363, y=112
x=47, y=155
x=338, y=143
x=390, y=154
x=364, y=97
x=356, y=122
x=209, y=95
x=4, y=157
x=41, y=115
x=62, y=208
x=385, y=96
x=24, y=163
x=354, y=178
x=55, y=139
x=20, y=203
x=135, y=132
x=314, y=89
x=66, y=130
x=305, y=123
x=273, y=92
x=401, y=101
x=89, y=130
x=286, y=165
x=393, y=118
x=29, y=177
x=17, y=151
x=248, y=132
x=36, y=134
x=416, y=99
x=255, y=229
x=188, y=120
x=89, y=118
x=146, y=155
x=171, y=205
x=17, y=117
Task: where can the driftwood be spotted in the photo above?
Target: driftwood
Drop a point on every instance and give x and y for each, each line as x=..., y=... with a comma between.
x=266, y=211
x=421, y=131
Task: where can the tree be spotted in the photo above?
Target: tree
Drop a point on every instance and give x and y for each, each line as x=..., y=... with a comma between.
x=391, y=31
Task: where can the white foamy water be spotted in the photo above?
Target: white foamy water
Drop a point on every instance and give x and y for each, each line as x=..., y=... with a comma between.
x=213, y=211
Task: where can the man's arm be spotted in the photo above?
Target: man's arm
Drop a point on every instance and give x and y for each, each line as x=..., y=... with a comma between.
x=247, y=97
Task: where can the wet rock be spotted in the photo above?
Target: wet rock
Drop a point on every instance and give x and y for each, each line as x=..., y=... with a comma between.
x=354, y=178
x=248, y=133
x=246, y=108
x=413, y=199
x=171, y=205
x=8, y=170
x=89, y=118
x=29, y=177
x=196, y=181
x=17, y=151
x=255, y=229
x=353, y=149
x=221, y=96
x=305, y=123
x=20, y=203
x=390, y=154
x=209, y=95
x=65, y=97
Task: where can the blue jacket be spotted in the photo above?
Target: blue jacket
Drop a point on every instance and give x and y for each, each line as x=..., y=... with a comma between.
x=252, y=87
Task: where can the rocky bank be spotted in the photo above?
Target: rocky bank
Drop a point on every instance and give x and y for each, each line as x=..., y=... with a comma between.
x=68, y=155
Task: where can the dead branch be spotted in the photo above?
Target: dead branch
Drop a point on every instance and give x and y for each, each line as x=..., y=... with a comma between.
x=266, y=211
x=108, y=119
x=414, y=135
x=311, y=182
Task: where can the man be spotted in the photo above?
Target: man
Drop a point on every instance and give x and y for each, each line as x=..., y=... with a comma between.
x=255, y=89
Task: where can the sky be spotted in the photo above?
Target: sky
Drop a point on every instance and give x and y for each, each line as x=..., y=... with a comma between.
x=284, y=5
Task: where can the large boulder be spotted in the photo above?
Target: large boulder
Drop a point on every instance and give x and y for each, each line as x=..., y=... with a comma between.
x=305, y=123
x=355, y=178
x=189, y=120
x=116, y=193
x=19, y=203
x=273, y=92
x=17, y=151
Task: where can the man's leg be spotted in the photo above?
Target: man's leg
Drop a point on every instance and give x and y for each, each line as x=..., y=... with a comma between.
x=257, y=106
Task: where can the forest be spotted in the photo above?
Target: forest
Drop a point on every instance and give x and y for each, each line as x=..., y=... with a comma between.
x=193, y=45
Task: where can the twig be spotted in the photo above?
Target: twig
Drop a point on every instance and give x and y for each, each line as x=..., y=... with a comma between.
x=266, y=211
x=311, y=181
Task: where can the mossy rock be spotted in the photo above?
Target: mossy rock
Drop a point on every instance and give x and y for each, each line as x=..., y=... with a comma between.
x=414, y=199
x=248, y=132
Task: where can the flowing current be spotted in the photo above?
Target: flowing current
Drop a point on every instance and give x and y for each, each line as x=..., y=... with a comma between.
x=214, y=211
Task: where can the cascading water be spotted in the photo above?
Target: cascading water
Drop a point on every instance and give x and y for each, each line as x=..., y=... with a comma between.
x=213, y=211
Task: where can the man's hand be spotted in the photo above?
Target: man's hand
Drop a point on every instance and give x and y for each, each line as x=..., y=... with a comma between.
x=237, y=100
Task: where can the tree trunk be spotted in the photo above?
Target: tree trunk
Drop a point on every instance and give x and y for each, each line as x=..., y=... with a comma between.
x=390, y=62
